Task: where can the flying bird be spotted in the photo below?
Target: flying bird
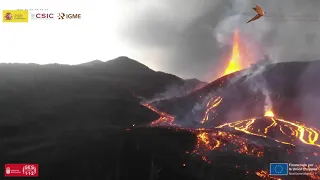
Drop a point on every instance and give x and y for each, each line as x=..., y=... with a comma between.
x=258, y=9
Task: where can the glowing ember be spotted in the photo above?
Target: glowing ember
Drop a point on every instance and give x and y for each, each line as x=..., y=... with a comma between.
x=208, y=140
x=235, y=61
x=265, y=175
x=314, y=176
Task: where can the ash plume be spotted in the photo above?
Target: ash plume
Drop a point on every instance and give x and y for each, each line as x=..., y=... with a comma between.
x=189, y=38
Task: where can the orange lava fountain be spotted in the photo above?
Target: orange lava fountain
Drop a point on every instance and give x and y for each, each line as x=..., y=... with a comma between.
x=235, y=61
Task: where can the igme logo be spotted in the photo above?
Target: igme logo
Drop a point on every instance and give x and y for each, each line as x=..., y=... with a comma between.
x=63, y=16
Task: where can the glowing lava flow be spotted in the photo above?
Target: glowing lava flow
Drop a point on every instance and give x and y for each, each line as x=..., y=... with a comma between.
x=283, y=131
x=210, y=107
x=164, y=120
x=235, y=61
x=214, y=140
x=208, y=140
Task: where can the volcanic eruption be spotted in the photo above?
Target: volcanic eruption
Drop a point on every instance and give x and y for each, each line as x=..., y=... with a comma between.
x=253, y=136
x=235, y=60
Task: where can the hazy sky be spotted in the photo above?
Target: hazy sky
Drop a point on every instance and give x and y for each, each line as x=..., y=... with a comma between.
x=189, y=38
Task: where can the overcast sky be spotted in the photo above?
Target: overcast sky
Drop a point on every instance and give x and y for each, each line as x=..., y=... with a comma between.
x=189, y=38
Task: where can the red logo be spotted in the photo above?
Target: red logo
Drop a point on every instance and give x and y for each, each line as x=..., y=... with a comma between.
x=21, y=170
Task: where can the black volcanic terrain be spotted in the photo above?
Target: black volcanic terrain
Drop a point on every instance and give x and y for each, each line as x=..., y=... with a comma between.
x=85, y=122
x=293, y=88
x=60, y=114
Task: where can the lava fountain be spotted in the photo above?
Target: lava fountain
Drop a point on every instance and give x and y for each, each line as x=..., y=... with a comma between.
x=235, y=60
x=245, y=52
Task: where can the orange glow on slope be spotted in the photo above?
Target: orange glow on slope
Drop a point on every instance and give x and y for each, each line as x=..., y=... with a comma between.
x=269, y=114
x=268, y=111
x=235, y=61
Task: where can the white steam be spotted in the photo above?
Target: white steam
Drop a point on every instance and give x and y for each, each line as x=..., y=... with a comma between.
x=257, y=82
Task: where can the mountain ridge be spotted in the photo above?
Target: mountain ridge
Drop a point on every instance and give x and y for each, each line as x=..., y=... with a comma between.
x=54, y=92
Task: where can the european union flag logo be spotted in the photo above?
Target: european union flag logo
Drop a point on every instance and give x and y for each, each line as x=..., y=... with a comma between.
x=279, y=169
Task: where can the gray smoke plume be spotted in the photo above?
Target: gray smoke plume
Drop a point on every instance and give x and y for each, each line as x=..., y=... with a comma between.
x=256, y=81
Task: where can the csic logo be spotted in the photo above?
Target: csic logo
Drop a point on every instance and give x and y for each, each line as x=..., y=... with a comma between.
x=42, y=16
x=62, y=16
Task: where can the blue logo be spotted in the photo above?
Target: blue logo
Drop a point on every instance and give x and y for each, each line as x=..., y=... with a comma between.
x=279, y=169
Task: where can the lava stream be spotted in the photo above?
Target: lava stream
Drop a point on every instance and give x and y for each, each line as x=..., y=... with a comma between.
x=286, y=132
x=208, y=140
x=164, y=120
x=210, y=108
